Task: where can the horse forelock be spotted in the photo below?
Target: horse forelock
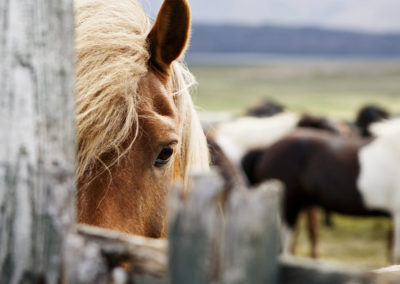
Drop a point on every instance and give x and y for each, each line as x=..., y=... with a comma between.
x=112, y=56
x=111, y=52
x=194, y=149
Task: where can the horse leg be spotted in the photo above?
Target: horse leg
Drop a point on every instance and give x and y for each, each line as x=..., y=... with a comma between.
x=396, y=248
x=292, y=247
x=328, y=219
x=312, y=226
x=288, y=239
x=291, y=212
x=390, y=240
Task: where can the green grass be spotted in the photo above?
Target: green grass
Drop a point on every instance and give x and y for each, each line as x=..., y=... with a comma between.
x=334, y=89
x=361, y=242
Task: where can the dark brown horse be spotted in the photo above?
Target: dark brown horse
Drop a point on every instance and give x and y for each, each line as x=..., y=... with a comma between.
x=368, y=115
x=231, y=174
x=265, y=108
x=317, y=168
x=316, y=122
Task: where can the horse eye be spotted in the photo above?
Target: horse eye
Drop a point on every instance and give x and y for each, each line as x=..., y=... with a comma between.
x=164, y=156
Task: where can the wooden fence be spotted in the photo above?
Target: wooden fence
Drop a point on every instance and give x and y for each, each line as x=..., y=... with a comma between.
x=37, y=138
x=215, y=236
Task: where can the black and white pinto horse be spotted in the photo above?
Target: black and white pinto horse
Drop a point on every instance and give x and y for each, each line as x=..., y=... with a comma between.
x=379, y=178
x=231, y=140
x=238, y=136
x=357, y=177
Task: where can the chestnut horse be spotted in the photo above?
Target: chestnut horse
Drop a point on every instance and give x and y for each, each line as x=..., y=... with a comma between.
x=318, y=168
x=137, y=129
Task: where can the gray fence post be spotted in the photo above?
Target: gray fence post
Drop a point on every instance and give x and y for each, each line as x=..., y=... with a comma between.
x=224, y=241
x=37, y=148
x=251, y=240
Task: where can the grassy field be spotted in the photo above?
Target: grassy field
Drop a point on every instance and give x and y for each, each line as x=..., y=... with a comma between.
x=334, y=89
x=360, y=242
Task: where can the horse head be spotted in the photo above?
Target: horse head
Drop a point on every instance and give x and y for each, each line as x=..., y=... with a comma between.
x=137, y=129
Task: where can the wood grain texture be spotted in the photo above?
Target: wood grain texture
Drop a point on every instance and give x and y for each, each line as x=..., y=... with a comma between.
x=233, y=239
x=95, y=255
x=251, y=238
x=36, y=137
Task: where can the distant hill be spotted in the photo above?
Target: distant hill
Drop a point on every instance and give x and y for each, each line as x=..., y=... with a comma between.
x=291, y=40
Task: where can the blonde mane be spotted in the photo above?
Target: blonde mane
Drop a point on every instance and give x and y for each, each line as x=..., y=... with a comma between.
x=112, y=55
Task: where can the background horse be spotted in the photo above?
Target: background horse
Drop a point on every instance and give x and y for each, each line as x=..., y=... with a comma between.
x=246, y=133
x=368, y=115
x=379, y=180
x=137, y=129
x=265, y=108
x=318, y=169
x=230, y=173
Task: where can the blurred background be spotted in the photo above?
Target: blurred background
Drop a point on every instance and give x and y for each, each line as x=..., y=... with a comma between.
x=328, y=58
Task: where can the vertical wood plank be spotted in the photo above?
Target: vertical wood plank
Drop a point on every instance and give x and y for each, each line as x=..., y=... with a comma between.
x=232, y=240
x=251, y=239
x=194, y=232
x=36, y=137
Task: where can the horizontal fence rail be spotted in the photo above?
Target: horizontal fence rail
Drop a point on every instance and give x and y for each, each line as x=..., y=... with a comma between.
x=214, y=237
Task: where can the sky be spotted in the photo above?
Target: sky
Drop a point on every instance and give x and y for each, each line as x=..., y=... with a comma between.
x=361, y=15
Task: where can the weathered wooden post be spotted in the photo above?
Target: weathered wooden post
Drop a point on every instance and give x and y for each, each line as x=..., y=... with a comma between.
x=37, y=148
x=224, y=241
x=251, y=243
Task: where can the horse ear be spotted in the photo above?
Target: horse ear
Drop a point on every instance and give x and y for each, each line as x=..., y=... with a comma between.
x=170, y=34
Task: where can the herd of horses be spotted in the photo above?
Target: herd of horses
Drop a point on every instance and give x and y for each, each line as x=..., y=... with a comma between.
x=316, y=159
x=138, y=133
